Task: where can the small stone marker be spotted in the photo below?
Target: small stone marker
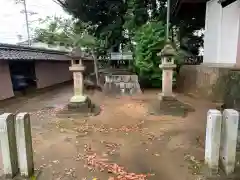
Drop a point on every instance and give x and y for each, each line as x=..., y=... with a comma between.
x=229, y=135
x=212, y=143
x=8, y=145
x=24, y=144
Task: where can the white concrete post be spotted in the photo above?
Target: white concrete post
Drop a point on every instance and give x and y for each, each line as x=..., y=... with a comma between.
x=8, y=145
x=213, y=135
x=24, y=144
x=229, y=140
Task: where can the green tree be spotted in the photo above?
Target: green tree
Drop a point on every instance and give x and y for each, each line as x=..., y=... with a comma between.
x=70, y=33
x=105, y=16
x=150, y=39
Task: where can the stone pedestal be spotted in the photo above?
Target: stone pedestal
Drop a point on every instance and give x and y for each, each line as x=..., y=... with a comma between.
x=81, y=106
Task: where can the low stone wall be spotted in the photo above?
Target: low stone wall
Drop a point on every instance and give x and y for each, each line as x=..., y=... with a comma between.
x=121, y=84
x=202, y=81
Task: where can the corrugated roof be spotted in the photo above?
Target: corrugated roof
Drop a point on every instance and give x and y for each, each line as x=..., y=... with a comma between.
x=16, y=52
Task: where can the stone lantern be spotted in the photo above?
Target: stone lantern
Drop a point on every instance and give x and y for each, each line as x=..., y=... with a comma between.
x=167, y=103
x=167, y=54
x=77, y=68
x=80, y=105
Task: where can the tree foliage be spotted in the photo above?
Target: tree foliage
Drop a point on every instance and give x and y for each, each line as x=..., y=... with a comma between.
x=134, y=21
x=57, y=31
x=69, y=33
x=105, y=16
x=150, y=40
x=117, y=21
x=188, y=23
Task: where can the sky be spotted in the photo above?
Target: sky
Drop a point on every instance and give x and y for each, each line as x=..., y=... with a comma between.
x=12, y=21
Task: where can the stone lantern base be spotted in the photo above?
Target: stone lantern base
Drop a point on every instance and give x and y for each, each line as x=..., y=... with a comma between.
x=82, y=103
x=80, y=109
x=169, y=105
x=162, y=97
x=78, y=99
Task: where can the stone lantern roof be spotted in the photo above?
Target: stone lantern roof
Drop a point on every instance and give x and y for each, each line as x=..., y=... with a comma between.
x=76, y=53
x=168, y=50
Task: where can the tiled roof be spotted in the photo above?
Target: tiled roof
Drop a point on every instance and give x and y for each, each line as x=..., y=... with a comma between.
x=16, y=52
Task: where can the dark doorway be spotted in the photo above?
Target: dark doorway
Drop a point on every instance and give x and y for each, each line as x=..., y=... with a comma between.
x=22, y=75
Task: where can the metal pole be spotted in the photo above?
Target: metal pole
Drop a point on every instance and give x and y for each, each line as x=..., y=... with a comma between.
x=27, y=24
x=168, y=19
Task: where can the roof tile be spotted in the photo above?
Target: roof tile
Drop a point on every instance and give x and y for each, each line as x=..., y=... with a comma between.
x=14, y=52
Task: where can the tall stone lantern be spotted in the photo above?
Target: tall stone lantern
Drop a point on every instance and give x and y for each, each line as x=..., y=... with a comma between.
x=167, y=103
x=77, y=68
x=167, y=65
x=80, y=104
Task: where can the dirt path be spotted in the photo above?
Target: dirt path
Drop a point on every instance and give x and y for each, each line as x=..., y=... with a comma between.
x=123, y=139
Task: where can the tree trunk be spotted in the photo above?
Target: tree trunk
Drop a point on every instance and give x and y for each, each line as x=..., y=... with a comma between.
x=95, y=67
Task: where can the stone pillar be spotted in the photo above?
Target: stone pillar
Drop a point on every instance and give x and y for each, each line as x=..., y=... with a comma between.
x=167, y=78
x=8, y=145
x=212, y=142
x=229, y=140
x=167, y=82
x=77, y=68
x=24, y=144
x=167, y=65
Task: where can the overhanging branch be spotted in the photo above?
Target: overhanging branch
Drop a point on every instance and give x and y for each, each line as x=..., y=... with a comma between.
x=61, y=3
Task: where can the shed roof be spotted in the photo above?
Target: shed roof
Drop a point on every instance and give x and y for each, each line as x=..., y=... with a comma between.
x=16, y=52
x=176, y=4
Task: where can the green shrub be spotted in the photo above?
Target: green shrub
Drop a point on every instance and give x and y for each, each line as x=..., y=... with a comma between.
x=150, y=40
